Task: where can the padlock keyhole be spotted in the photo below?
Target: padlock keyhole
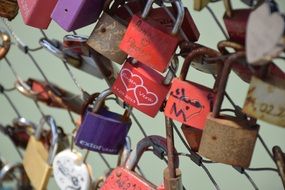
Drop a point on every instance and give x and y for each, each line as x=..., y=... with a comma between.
x=66, y=10
x=103, y=30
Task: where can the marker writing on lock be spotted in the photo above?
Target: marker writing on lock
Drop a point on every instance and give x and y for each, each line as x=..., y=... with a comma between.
x=180, y=95
x=270, y=109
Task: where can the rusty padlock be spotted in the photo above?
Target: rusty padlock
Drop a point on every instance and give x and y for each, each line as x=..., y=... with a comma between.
x=228, y=139
x=124, y=177
x=36, y=13
x=37, y=159
x=145, y=36
x=244, y=70
x=50, y=94
x=107, y=35
x=189, y=102
x=279, y=158
x=102, y=130
x=236, y=22
x=141, y=87
x=200, y=62
x=75, y=14
x=6, y=43
x=9, y=9
x=264, y=99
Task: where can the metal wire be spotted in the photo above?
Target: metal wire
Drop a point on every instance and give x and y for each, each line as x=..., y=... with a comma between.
x=251, y=180
x=265, y=147
x=12, y=105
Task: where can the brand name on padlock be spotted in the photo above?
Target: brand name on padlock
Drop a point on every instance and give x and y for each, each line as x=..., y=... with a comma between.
x=96, y=147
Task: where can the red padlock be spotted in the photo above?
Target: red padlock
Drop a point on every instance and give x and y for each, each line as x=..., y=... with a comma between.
x=189, y=102
x=144, y=36
x=36, y=13
x=141, y=87
x=236, y=22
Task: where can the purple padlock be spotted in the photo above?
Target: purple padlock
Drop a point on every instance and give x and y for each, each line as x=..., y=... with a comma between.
x=74, y=14
x=102, y=130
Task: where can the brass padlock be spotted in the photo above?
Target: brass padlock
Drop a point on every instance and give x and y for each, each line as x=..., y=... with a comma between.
x=200, y=4
x=37, y=159
x=9, y=9
x=6, y=43
x=265, y=99
x=228, y=139
x=279, y=158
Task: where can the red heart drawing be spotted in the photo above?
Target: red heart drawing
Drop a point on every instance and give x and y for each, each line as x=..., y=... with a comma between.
x=130, y=80
x=144, y=97
x=191, y=107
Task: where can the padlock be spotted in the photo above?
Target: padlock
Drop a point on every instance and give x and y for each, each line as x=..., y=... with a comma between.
x=236, y=22
x=107, y=35
x=37, y=159
x=265, y=37
x=50, y=94
x=145, y=36
x=200, y=4
x=75, y=14
x=244, y=70
x=189, y=102
x=102, y=130
x=228, y=139
x=188, y=26
x=6, y=43
x=200, y=62
x=141, y=87
x=264, y=99
x=193, y=136
x=9, y=9
x=36, y=13
x=279, y=158
x=71, y=171
x=14, y=171
x=124, y=177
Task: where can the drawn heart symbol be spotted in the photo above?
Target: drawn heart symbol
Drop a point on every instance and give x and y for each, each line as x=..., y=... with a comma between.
x=130, y=80
x=190, y=107
x=264, y=32
x=144, y=97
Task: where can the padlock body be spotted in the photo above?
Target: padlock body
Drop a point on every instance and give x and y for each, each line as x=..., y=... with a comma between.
x=36, y=13
x=200, y=4
x=193, y=136
x=236, y=25
x=228, y=140
x=142, y=37
x=106, y=37
x=189, y=103
x=188, y=25
x=8, y=9
x=103, y=132
x=265, y=100
x=75, y=14
x=35, y=164
x=141, y=87
x=121, y=178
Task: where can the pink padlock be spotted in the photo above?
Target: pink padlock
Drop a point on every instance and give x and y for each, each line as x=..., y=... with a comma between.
x=36, y=13
x=75, y=14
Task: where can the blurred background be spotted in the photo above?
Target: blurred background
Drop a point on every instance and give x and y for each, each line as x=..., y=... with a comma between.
x=194, y=177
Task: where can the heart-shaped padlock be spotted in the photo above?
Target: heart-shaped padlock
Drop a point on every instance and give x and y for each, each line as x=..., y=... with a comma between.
x=70, y=171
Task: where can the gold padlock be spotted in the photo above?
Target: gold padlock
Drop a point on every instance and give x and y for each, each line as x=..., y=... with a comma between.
x=228, y=139
x=37, y=159
x=265, y=99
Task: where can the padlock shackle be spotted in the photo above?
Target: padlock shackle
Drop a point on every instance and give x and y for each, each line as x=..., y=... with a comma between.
x=25, y=89
x=125, y=152
x=100, y=99
x=223, y=81
x=52, y=48
x=174, y=65
x=170, y=148
x=279, y=158
x=8, y=168
x=180, y=15
x=23, y=122
x=228, y=7
x=6, y=43
x=144, y=144
x=201, y=51
x=222, y=45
